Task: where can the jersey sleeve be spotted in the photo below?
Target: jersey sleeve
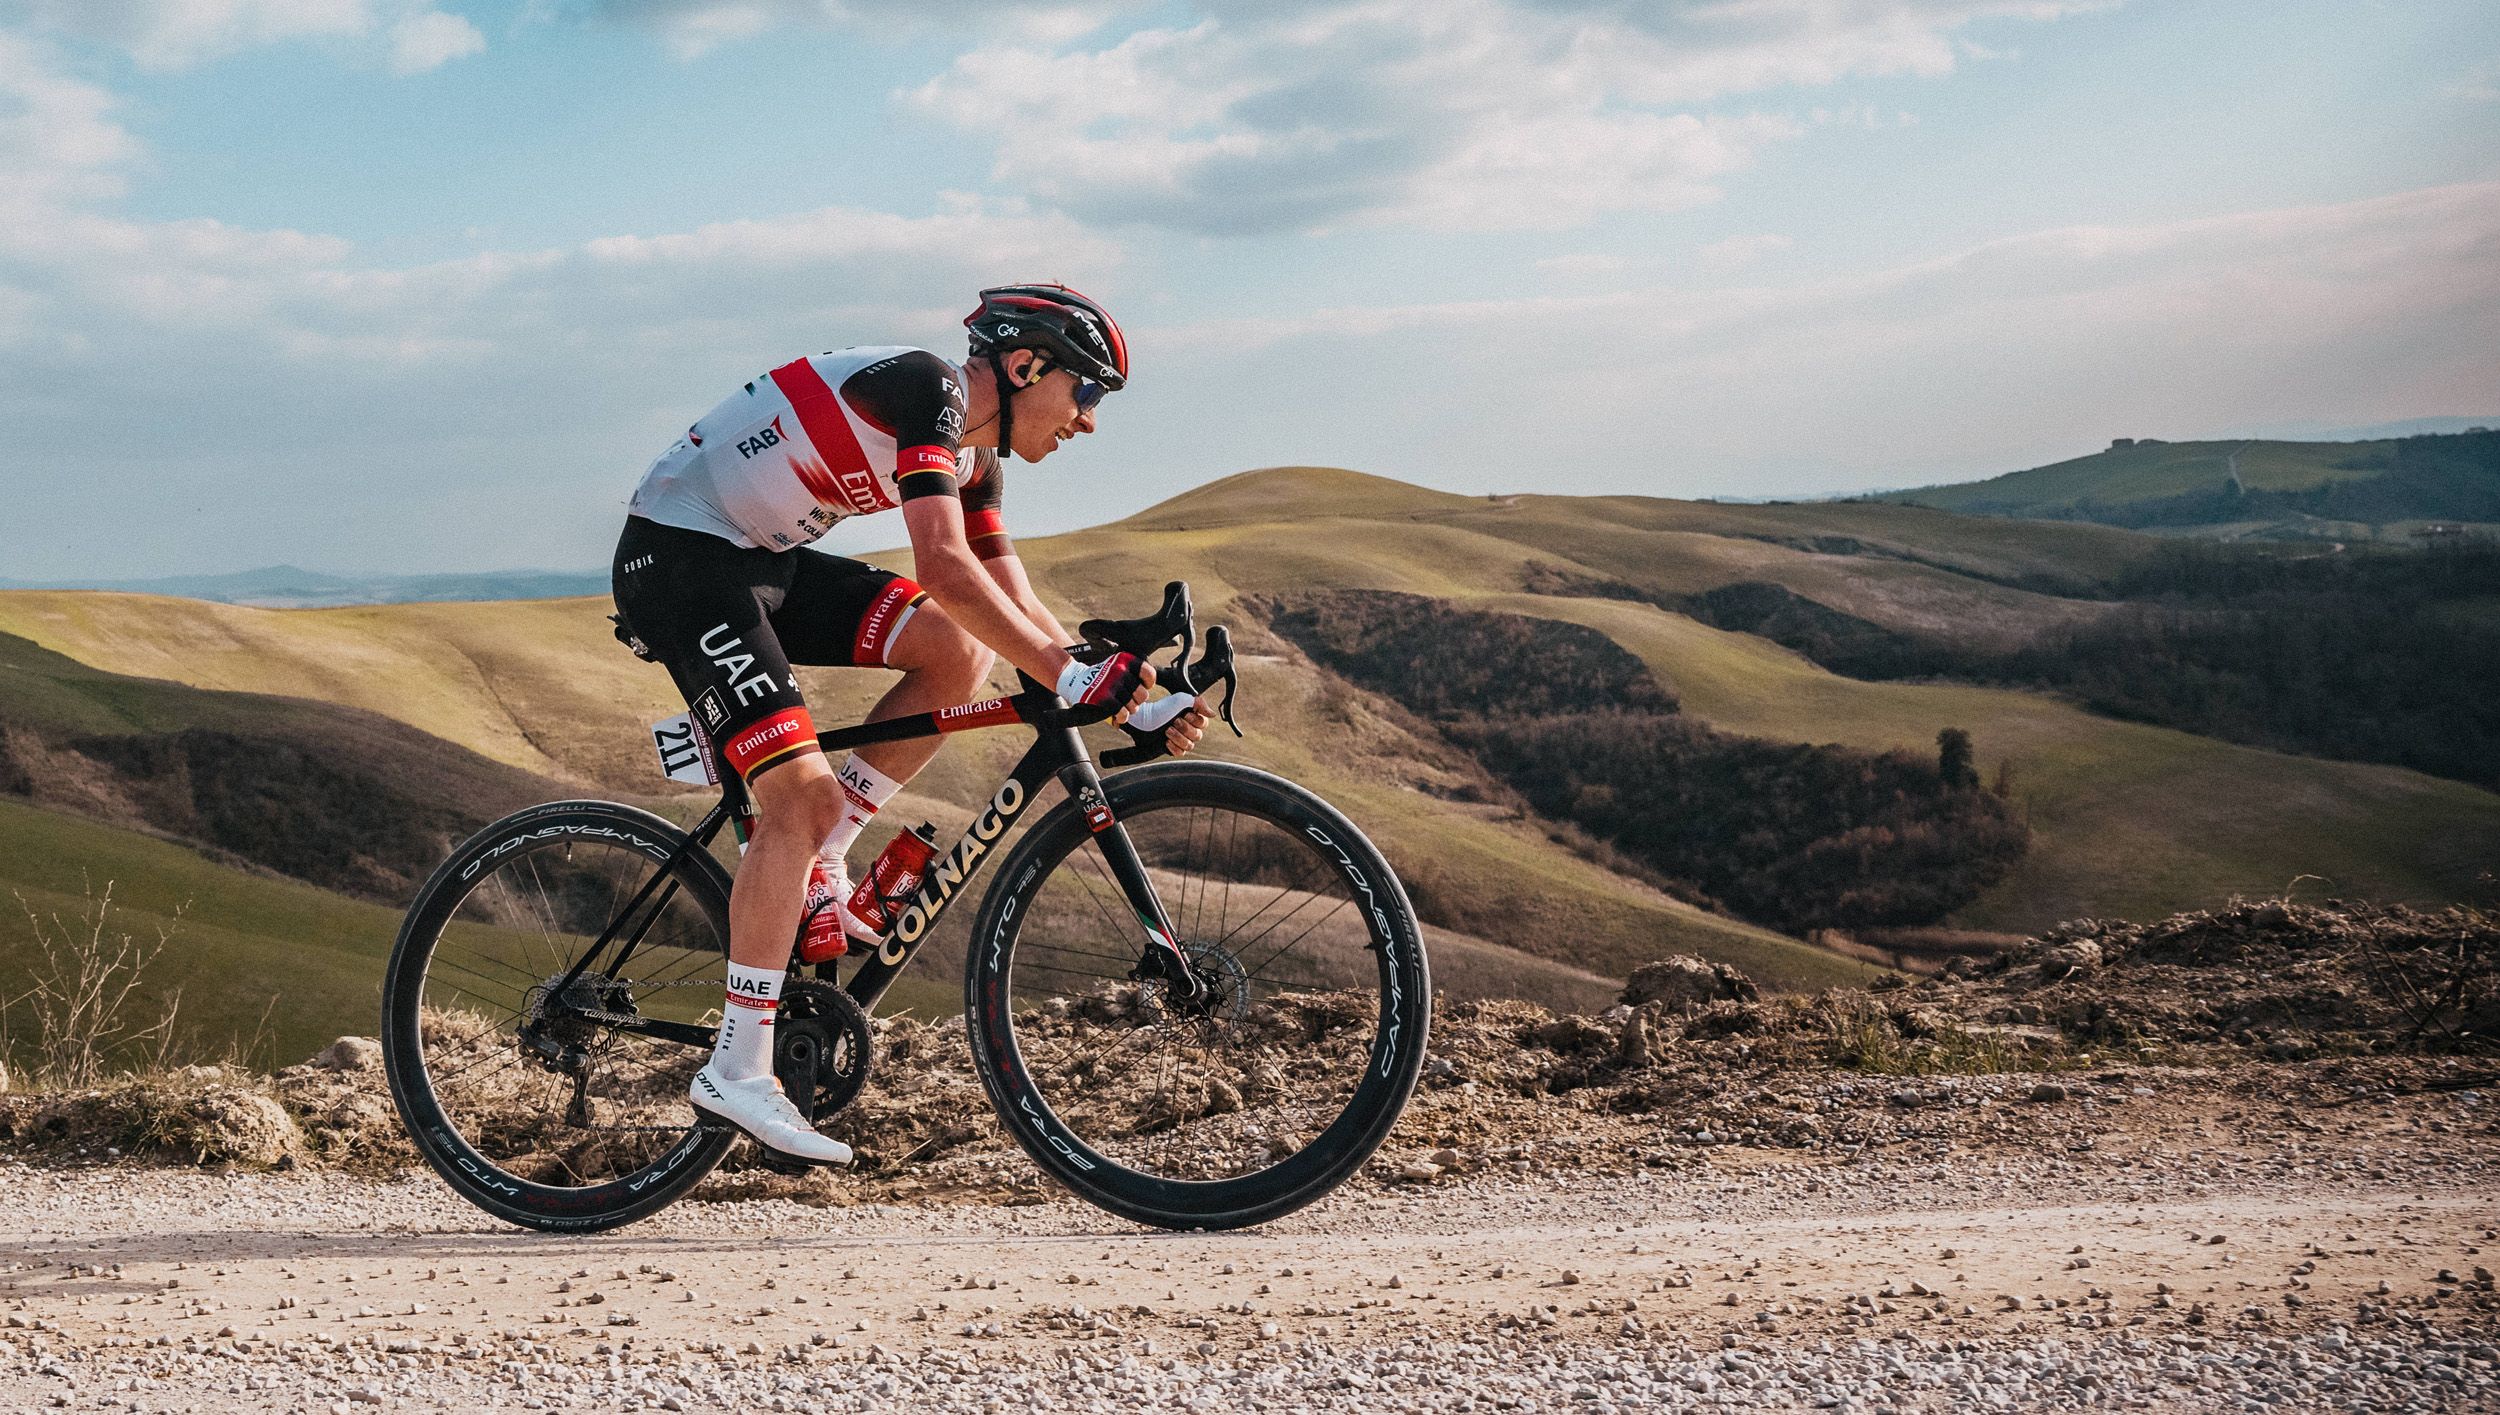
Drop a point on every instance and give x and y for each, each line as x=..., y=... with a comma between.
x=984, y=490
x=920, y=400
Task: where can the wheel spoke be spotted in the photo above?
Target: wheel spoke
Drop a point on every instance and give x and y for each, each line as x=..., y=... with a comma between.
x=1224, y=1089
x=499, y=943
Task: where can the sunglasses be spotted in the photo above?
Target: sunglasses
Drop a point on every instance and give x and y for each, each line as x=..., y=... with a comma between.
x=1088, y=392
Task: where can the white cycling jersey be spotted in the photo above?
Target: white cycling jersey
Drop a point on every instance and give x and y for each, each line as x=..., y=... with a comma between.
x=814, y=442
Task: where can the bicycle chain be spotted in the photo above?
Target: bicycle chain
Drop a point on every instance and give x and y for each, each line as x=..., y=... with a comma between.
x=596, y=1014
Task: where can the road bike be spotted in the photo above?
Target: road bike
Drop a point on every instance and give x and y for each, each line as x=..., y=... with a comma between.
x=1196, y=993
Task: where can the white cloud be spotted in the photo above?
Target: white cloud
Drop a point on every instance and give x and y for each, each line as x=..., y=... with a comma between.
x=1453, y=114
x=176, y=34
x=1737, y=252
x=58, y=139
x=430, y=40
x=2481, y=83
x=693, y=28
x=2051, y=341
x=167, y=34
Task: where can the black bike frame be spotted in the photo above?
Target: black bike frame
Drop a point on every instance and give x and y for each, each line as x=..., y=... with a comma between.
x=1058, y=752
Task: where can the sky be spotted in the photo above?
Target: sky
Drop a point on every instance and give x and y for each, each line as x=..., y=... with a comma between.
x=398, y=286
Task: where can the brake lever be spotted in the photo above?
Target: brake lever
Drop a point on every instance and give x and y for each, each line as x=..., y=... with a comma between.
x=1149, y=634
x=1216, y=667
x=1198, y=679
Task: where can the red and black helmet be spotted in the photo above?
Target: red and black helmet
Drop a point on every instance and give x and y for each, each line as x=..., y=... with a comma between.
x=1075, y=332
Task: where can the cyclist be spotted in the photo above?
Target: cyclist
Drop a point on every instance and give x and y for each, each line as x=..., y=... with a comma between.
x=713, y=578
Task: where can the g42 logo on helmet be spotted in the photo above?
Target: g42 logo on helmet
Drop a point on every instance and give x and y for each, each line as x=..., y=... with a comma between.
x=1008, y=331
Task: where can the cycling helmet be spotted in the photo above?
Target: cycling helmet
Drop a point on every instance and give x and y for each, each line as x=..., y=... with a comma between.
x=1073, y=331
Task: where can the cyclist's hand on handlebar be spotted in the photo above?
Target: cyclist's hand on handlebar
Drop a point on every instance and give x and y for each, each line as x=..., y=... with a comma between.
x=1180, y=717
x=1121, y=678
x=1185, y=730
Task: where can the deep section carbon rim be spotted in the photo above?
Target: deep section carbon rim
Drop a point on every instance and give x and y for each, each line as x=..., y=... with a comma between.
x=534, y=1097
x=1273, y=1088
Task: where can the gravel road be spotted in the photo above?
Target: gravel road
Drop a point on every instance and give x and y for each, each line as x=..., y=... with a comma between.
x=1751, y=1283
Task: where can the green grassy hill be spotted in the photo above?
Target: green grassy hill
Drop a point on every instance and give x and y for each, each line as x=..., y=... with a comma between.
x=2244, y=488
x=329, y=794
x=248, y=949
x=2149, y=471
x=2128, y=819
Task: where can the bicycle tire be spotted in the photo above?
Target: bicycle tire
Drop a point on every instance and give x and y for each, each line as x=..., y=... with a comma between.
x=1393, y=1057
x=475, y=1175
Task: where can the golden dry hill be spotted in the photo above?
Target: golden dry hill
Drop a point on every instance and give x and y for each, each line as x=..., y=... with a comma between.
x=2129, y=820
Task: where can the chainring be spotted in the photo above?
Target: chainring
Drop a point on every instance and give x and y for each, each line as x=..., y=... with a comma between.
x=822, y=1050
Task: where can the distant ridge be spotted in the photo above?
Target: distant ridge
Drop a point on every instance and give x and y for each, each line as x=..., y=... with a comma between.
x=288, y=587
x=2392, y=489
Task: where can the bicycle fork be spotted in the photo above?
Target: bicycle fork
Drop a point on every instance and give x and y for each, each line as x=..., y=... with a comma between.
x=1163, y=961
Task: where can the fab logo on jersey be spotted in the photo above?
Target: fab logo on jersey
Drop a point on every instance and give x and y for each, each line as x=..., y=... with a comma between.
x=765, y=437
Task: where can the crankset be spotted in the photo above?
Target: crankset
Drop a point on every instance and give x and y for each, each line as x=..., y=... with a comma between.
x=822, y=1048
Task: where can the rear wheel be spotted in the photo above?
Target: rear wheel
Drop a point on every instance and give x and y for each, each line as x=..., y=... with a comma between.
x=1273, y=1089
x=525, y=1094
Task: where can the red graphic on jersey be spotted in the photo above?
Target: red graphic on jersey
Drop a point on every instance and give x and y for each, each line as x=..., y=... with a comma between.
x=839, y=474
x=783, y=734
x=986, y=532
x=876, y=627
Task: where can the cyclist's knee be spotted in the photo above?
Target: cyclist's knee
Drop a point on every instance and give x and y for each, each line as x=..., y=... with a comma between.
x=936, y=645
x=799, y=796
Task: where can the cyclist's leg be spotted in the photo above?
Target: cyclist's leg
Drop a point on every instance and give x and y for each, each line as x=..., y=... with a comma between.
x=847, y=613
x=702, y=606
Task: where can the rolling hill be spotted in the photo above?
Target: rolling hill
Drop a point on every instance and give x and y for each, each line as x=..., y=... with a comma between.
x=2128, y=819
x=2385, y=489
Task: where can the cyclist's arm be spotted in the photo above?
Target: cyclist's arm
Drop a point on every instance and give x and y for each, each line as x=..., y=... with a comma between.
x=1007, y=570
x=944, y=564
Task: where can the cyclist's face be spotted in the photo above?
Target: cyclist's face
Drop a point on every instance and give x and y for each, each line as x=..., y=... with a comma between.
x=1048, y=413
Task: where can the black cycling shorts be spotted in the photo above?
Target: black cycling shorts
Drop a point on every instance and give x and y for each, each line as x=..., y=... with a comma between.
x=728, y=622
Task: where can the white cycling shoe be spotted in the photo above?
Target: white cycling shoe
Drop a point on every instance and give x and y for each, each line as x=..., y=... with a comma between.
x=759, y=1108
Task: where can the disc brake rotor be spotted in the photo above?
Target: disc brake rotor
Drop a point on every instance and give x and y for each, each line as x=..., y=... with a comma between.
x=1219, y=970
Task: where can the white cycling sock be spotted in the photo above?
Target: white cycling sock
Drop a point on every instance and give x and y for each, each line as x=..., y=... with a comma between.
x=864, y=790
x=744, y=1049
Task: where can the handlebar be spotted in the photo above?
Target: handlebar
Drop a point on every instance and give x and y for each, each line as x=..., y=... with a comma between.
x=1151, y=634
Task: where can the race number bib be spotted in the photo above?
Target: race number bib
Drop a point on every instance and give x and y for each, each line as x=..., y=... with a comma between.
x=685, y=753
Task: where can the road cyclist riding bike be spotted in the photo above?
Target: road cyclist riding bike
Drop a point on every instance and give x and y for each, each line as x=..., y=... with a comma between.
x=1195, y=993
x=712, y=575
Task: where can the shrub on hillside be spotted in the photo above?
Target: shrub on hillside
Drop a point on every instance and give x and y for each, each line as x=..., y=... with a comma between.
x=1792, y=835
x=1796, y=836
x=1446, y=663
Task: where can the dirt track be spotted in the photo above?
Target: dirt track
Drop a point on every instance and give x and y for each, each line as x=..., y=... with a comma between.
x=1758, y=1285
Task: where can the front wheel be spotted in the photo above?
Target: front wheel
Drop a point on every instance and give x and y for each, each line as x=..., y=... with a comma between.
x=1267, y=1093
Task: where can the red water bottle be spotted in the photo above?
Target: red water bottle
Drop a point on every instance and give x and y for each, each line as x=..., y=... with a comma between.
x=823, y=941
x=894, y=876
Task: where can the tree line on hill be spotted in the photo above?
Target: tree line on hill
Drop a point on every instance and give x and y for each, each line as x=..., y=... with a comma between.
x=1794, y=836
x=2376, y=656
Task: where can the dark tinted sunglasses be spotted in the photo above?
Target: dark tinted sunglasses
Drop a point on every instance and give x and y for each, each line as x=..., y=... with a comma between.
x=1088, y=393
